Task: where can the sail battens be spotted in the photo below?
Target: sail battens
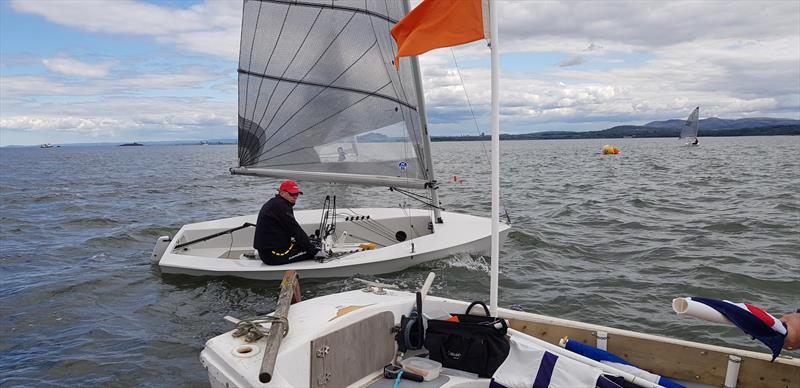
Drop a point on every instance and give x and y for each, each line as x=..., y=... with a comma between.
x=300, y=132
x=359, y=179
x=332, y=6
x=318, y=92
x=309, y=83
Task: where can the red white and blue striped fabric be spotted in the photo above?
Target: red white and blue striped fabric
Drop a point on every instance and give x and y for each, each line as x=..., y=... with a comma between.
x=531, y=366
x=752, y=320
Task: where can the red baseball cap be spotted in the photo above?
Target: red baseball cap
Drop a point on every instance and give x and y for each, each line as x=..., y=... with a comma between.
x=290, y=187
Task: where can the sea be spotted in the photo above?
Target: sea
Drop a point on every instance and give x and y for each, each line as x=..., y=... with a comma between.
x=604, y=239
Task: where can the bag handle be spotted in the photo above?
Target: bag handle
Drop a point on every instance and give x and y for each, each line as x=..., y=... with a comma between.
x=486, y=309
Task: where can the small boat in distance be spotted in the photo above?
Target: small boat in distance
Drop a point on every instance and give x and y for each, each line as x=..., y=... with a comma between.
x=131, y=144
x=690, y=128
x=46, y=145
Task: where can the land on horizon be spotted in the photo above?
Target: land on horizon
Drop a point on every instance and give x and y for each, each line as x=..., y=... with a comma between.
x=710, y=127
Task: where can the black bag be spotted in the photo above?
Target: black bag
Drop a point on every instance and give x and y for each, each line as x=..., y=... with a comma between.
x=474, y=344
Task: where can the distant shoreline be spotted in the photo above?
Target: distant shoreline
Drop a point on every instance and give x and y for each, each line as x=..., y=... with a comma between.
x=620, y=132
x=632, y=132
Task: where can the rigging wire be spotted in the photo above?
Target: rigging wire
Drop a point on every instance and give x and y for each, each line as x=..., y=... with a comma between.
x=475, y=120
x=417, y=197
x=379, y=228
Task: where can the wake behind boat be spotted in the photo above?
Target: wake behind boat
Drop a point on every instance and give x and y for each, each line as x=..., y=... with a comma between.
x=322, y=101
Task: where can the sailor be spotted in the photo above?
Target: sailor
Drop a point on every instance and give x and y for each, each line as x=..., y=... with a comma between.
x=279, y=239
x=342, y=155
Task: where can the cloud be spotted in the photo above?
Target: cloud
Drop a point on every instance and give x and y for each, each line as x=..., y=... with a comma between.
x=646, y=24
x=73, y=67
x=208, y=28
x=27, y=87
x=574, y=61
x=664, y=60
x=82, y=125
x=158, y=118
x=640, y=61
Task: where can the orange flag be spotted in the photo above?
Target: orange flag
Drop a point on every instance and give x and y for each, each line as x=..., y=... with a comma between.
x=440, y=23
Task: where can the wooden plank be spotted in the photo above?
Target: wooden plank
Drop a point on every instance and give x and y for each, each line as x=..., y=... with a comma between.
x=276, y=329
x=350, y=353
x=675, y=361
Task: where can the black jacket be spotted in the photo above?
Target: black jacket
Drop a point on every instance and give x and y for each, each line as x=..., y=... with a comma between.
x=276, y=226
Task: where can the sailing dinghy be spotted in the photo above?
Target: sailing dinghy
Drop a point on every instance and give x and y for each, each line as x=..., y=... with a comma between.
x=321, y=100
x=353, y=338
x=690, y=128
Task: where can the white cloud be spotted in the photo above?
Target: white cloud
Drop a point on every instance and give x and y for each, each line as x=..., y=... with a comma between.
x=574, y=61
x=640, y=61
x=647, y=24
x=82, y=125
x=73, y=67
x=26, y=87
x=208, y=28
x=159, y=118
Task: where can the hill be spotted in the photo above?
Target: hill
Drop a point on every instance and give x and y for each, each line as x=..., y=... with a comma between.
x=714, y=123
x=631, y=131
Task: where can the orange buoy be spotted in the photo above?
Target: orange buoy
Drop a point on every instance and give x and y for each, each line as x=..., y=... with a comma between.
x=610, y=150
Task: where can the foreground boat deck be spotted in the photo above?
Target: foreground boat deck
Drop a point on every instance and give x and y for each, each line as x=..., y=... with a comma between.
x=345, y=340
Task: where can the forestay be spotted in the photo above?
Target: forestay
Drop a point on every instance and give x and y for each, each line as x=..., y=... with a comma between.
x=690, y=127
x=320, y=97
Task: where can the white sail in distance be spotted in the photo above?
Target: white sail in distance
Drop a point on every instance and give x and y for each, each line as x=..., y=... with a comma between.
x=316, y=79
x=689, y=130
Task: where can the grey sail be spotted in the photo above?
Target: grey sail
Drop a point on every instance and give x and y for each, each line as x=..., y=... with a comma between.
x=320, y=97
x=689, y=130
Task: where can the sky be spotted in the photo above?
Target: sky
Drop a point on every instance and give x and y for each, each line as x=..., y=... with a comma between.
x=78, y=71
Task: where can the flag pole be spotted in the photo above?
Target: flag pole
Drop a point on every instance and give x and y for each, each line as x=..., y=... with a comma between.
x=495, y=61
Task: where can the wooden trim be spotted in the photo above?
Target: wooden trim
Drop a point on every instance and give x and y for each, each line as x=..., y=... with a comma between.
x=677, y=361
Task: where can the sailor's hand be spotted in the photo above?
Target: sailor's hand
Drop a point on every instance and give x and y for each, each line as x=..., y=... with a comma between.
x=792, y=322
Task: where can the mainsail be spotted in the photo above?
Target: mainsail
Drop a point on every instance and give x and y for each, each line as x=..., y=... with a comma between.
x=690, y=127
x=320, y=97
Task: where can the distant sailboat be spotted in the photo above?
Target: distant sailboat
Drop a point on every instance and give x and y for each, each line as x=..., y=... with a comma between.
x=46, y=145
x=689, y=130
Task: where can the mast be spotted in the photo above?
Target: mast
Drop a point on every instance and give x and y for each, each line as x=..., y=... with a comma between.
x=495, y=267
x=426, y=138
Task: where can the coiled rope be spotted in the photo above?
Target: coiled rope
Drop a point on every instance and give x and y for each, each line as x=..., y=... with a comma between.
x=252, y=329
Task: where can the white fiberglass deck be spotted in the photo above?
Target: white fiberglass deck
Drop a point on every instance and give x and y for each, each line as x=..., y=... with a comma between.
x=233, y=362
x=460, y=233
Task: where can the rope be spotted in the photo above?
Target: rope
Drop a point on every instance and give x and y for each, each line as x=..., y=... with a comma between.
x=252, y=330
x=378, y=228
x=420, y=198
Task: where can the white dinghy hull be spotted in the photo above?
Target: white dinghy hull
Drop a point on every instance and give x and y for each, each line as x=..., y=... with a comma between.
x=309, y=354
x=226, y=255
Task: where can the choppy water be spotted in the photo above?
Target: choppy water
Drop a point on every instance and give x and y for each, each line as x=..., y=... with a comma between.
x=602, y=239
